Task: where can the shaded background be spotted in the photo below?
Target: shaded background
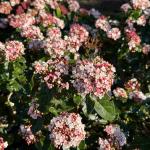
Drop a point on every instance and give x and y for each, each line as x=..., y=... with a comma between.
x=104, y=6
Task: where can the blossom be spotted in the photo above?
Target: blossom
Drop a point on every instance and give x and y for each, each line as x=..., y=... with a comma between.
x=54, y=47
x=102, y=23
x=54, y=33
x=3, y=144
x=114, y=33
x=63, y=9
x=66, y=130
x=116, y=134
x=94, y=77
x=146, y=49
x=132, y=85
x=14, y=2
x=140, y=4
x=13, y=50
x=38, y=4
x=40, y=67
x=52, y=3
x=22, y=20
x=73, y=5
x=46, y=19
x=53, y=72
x=125, y=7
x=5, y=8
x=79, y=31
x=104, y=144
x=27, y=134
x=59, y=22
x=137, y=96
x=33, y=111
x=141, y=20
x=110, y=129
x=133, y=38
x=32, y=32
x=72, y=43
x=120, y=93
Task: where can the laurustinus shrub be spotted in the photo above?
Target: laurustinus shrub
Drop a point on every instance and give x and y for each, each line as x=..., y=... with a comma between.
x=74, y=78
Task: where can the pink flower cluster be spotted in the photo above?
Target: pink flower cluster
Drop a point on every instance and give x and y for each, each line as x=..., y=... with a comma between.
x=120, y=93
x=53, y=3
x=125, y=7
x=47, y=19
x=66, y=130
x=79, y=32
x=137, y=96
x=53, y=72
x=133, y=86
x=27, y=134
x=55, y=47
x=140, y=4
x=22, y=20
x=73, y=5
x=114, y=34
x=104, y=144
x=133, y=39
x=32, y=32
x=94, y=77
x=3, y=144
x=72, y=43
x=13, y=50
x=116, y=138
x=141, y=20
x=33, y=111
x=54, y=33
x=5, y=8
x=38, y=4
x=14, y=2
x=103, y=23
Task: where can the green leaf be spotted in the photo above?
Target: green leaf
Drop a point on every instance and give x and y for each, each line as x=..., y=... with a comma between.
x=105, y=109
x=82, y=146
x=58, y=12
x=136, y=14
x=88, y=107
x=53, y=111
x=77, y=99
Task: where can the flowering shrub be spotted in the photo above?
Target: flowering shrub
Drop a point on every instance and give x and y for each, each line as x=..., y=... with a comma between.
x=73, y=78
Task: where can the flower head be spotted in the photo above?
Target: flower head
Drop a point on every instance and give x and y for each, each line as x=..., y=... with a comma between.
x=120, y=93
x=114, y=33
x=79, y=31
x=5, y=8
x=73, y=5
x=140, y=4
x=137, y=96
x=132, y=85
x=66, y=130
x=3, y=144
x=94, y=77
x=27, y=134
x=102, y=23
x=13, y=50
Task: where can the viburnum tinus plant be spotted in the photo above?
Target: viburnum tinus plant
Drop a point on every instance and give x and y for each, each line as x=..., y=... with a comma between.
x=72, y=78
